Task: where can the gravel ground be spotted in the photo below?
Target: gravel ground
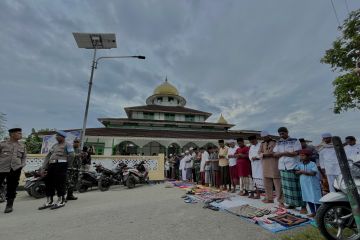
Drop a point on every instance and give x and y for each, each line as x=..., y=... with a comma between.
x=146, y=212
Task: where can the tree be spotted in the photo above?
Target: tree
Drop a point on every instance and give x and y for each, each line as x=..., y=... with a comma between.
x=2, y=125
x=344, y=57
x=33, y=143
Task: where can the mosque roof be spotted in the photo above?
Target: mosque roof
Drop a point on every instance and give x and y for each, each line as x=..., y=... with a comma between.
x=166, y=89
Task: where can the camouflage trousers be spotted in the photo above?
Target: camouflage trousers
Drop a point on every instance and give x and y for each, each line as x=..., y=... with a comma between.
x=72, y=179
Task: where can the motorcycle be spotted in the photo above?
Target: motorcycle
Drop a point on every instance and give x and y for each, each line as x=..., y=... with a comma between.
x=137, y=175
x=34, y=184
x=88, y=179
x=334, y=218
x=110, y=177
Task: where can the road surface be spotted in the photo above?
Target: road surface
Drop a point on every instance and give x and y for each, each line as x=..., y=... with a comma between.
x=146, y=212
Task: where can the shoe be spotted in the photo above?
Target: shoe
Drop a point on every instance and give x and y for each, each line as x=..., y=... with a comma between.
x=59, y=204
x=71, y=197
x=9, y=206
x=49, y=203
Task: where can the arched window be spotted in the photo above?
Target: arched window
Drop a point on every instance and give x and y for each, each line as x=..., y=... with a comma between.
x=173, y=149
x=153, y=148
x=189, y=145
x=126, y=148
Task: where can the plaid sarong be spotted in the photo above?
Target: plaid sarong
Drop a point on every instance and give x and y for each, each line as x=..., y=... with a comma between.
x=290, y=184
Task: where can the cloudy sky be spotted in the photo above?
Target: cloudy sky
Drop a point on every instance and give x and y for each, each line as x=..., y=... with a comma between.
x=257, y=62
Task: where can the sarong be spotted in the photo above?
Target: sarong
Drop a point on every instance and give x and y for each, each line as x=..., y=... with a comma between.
x=224, y=175
x=290, y=184
x=234, y=175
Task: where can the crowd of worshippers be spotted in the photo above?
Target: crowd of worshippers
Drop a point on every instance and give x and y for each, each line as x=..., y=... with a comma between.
x=298, y=172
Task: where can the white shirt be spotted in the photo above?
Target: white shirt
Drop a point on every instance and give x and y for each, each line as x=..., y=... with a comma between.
x=167, y=167
x=353, y=152
x=204, y=158
x=231, y=151
x=256, y=165
x=188, y=161
x=329, y=161
x=182, y=164
x=288, y=145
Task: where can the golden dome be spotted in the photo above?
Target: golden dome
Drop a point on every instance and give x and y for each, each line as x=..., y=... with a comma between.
x=166, y=89
x=222, y=120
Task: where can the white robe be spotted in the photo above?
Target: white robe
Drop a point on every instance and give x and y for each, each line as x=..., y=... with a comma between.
x=256, y=165
x=353, y=152
x=182, y=169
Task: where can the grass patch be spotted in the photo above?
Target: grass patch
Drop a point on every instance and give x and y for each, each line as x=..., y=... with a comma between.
x=309, y=233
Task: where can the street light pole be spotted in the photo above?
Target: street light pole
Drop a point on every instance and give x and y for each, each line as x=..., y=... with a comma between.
x=93, y=67
x=95, y=41
x=82, y=140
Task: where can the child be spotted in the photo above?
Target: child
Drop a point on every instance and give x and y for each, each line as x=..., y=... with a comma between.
x=309, y=181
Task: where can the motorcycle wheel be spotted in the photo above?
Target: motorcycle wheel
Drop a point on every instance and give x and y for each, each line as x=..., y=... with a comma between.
x=104, y=184
x=130, y=183
x=38, y=190
x=29, y=192
x=82, y=188
x=335, y=221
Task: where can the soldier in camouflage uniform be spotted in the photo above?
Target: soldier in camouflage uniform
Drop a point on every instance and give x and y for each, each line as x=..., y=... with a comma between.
x=73, y=172
x=12, y=160
x=55, y=167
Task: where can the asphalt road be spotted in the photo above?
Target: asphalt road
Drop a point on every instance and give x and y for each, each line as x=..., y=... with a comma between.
x=146, y=212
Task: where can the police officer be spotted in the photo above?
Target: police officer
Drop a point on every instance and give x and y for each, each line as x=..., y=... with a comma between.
x=55, y=167
x=12, y=160
x=73, y=171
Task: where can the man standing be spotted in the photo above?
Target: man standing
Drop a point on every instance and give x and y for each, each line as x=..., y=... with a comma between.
x=256, y=166
x=12, y=160
x=204, y=158
x=271, y=173
x=73, y=171
x=208, y=167
x=85, y=158
x=55, y=165
x=244, y=168
x=352, y=149
x=232, y=165
x=188, y=165
x=328, y=160
x=286, y=150
x=224, y=166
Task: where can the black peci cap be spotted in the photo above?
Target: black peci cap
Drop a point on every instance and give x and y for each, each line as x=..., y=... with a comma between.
x=12, y=130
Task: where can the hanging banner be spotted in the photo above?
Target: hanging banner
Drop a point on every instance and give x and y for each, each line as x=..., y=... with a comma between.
x=50, y=140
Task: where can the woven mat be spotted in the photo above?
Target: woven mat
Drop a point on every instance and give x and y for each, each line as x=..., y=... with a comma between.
x=243, y=210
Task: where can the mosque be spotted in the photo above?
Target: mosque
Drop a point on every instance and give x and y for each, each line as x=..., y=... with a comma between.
x=163, y=125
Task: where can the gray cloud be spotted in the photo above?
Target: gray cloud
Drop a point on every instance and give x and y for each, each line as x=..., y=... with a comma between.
x=256, y=62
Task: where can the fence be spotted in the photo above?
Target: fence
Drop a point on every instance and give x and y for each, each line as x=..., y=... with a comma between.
x=155, y=164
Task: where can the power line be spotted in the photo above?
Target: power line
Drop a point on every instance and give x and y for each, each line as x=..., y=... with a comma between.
x=347, y=6
x=337, y=18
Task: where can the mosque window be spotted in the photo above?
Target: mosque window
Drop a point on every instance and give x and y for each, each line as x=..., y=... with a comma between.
x=149, y=116
x=159, y=99
x=189, y=118
x=171, y=99
x=169, y=117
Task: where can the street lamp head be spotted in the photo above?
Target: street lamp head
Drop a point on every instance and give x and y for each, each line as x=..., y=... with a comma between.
x=140, y=57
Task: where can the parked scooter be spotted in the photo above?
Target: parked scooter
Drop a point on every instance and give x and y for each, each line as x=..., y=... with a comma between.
x=137, y=175
x=110, y=177
x=34, y=184
x=335, y=218
x=88, y=179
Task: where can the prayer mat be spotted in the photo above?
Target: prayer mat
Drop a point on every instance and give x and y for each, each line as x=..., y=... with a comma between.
x=244, y=211
x=289, y=220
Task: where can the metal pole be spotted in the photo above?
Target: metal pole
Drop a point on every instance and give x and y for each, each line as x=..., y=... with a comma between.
x=88, y=100
x=351, y=192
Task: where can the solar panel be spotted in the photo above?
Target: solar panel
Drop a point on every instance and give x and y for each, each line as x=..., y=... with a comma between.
x=95, y=40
